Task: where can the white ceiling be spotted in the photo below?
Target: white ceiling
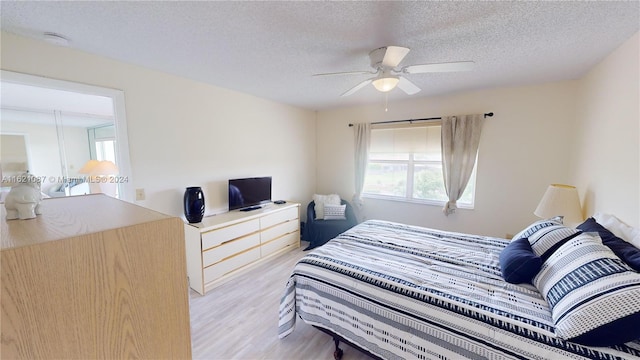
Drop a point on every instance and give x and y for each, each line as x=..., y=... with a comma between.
x=271, y=49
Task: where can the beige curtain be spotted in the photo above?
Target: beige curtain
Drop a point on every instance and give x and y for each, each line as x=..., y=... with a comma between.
x=460, y=138
x=362, y=139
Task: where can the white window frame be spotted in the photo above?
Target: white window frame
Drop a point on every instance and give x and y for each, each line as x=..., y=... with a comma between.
x=408, y=198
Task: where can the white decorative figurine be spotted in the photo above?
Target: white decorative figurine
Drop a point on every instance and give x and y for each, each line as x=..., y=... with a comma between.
x=23, y=201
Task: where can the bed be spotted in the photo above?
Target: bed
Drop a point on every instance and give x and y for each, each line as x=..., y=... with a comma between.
x=401, y=291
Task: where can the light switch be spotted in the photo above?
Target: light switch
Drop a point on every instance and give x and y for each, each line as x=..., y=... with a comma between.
x=140, y=194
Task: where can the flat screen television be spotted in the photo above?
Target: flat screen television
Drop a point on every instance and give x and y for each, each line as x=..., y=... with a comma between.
x=249, y=193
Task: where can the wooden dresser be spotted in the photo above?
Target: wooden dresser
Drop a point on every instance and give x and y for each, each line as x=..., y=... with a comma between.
x=223, y=245
x=94, y=277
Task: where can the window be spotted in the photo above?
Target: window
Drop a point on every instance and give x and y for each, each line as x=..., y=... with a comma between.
x=405, y=163
x=103, y=140
x=106, y=150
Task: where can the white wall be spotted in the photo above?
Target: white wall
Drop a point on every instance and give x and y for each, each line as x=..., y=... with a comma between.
x=186, y=133
x=607, y=155
x=523, y=148
x=77, y=149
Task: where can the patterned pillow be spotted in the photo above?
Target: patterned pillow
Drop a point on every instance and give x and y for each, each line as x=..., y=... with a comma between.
x=334, y=212
x=545, y=236
x=320, y=200
x=624, y=250
x=593, y=295
x=538, y=225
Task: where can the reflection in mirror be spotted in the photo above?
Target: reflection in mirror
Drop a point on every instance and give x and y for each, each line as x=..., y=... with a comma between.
x=13, y=148
x=62, y=128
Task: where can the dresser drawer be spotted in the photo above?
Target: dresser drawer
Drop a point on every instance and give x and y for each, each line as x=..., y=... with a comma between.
x=279, y=243
x=279, y=217
x=278, y=230
x=218, y=270
x=230, y=248
x=219, y=236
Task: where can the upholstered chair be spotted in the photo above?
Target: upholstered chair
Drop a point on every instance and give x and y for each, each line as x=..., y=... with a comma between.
x=319, y=231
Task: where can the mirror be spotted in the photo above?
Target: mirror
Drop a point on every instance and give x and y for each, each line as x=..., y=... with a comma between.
x=58, y=131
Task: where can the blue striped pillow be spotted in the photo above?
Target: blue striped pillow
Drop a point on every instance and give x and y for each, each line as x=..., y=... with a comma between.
x=538, y=225
x=624, y=250
x=593, y=295
x=545, y=236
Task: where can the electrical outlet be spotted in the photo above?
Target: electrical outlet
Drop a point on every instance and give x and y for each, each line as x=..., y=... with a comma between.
x=140, y=194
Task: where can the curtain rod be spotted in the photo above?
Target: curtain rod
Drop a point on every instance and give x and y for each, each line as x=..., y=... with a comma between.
x=490, y=114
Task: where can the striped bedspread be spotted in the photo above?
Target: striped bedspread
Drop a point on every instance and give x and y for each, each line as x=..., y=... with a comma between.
x=403, y=291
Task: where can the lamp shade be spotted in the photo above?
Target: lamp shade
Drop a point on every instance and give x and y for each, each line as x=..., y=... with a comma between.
x=87, y=168
x=560, y=200
x=385, y=84
x=105, y=167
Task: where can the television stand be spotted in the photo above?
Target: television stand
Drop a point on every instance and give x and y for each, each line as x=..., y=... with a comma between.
x=251, y=208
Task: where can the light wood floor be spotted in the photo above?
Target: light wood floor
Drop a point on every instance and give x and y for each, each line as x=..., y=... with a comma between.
x=239, y=320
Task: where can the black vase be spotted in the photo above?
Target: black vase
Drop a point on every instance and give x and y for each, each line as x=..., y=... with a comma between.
x=194, y=204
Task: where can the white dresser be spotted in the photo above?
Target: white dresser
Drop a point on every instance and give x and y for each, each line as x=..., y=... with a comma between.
x=224, y=245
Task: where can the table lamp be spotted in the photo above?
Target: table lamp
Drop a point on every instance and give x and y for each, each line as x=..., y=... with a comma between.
x=561, y=200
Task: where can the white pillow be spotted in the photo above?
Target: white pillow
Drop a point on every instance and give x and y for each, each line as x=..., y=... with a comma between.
x=619, y=228
x=334, y=212
x=320, y=200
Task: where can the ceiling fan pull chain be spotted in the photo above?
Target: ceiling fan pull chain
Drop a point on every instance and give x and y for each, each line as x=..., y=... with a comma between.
x=386, y=102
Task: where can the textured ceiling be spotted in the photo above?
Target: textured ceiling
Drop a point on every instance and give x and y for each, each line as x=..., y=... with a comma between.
x=271, y=49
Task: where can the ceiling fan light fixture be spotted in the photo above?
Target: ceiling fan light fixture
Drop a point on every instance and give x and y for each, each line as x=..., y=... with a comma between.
x=388, y=74
x=385, y=84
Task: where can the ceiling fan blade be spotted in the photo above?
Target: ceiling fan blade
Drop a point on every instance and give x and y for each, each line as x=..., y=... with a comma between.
x=346, y=73
x=394, y=55
x=439, y=67
x=407, y=86
x=357, y=87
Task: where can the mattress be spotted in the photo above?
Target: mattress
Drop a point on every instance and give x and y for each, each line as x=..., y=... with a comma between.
x=401, y=291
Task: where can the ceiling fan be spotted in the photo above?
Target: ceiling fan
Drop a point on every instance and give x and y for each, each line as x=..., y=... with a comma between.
x=386, y=60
